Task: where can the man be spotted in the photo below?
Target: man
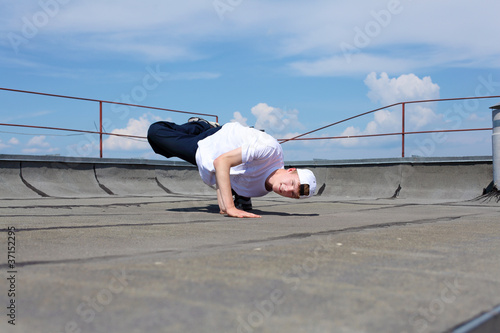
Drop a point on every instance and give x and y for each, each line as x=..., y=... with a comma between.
x=234, y=158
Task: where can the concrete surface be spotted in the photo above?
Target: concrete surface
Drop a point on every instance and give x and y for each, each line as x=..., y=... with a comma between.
x=170, y=263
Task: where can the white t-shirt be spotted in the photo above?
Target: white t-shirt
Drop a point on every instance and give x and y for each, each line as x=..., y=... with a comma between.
x=261, y=155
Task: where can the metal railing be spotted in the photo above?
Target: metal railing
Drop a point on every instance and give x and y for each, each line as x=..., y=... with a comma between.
x=101, y=103
x=300, y=137
x=403, y=132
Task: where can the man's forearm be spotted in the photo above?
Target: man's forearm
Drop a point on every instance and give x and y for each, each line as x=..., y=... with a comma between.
x=224, y=194
x=222, y=165
x=221, y=203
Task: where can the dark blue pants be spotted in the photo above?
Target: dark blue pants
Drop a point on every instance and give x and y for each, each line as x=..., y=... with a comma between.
x=172, y=140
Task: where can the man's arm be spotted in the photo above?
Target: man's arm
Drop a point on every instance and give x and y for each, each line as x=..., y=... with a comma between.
x=222, y=166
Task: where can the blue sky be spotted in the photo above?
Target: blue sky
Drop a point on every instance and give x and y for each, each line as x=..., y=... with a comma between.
x=284, y=66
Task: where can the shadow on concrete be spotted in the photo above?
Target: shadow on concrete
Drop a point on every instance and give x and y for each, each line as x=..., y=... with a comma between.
x=215, y=209
x=199, y=209
x=264, y=213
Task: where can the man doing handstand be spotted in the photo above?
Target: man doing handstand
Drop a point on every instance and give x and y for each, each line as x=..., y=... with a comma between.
x=232, y=157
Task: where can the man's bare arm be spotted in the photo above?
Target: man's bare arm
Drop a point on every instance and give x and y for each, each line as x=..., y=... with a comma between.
x=222, y=166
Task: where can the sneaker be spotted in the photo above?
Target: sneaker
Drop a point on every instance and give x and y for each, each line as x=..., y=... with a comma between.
x=242, y=203
x=212, y=124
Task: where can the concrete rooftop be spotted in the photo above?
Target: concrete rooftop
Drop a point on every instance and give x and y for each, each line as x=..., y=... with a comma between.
x=139, y=246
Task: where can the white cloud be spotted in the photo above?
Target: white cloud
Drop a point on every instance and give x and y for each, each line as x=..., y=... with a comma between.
x=156, y=30
x=38, y=141
x=39, y=151
x=153, y=51
x=404, y=88
x=8, y=144
x=120, y=16
x=407, y=87
x=350, y=131
x=355, y=64
x=388, y=91
x=135, y=127
x=275, y=120
x=281, y=124
x=371, y=38
x=14, y=141
x=310, y=31
x=238, y=118
x=38, y=145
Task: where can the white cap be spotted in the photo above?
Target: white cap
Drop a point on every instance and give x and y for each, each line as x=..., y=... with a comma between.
x=307, y=177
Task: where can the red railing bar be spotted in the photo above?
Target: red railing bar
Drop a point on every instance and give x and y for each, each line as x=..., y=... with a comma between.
x=162, y=109
x=300, y=139
x=449, y=99
x=109, y=102
x=51, y=95
x=455, y=130
x=74, y=130
x=338, y=122
x=389, y=134
x=385, y=107
x=100, y=111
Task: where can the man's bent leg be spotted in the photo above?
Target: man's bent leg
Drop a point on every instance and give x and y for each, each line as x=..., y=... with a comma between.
x=172, y=140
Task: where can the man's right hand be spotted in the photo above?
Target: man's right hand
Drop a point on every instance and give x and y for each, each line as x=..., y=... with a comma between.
x=235, y=212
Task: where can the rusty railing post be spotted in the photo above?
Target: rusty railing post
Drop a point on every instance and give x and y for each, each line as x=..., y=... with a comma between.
x=100, y=129
x=403, y=132
x=496, y=144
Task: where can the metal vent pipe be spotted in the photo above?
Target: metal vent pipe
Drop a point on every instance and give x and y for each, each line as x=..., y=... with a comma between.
x=496, y=145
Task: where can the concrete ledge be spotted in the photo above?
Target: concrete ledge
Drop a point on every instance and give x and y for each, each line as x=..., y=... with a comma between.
x=438, y=181
x=448, y=178
x=11, y=181
x=24, y=176
x=436, y=178
x=92, y=160
x=315, y=162
x=51, y=179
x=393, y=161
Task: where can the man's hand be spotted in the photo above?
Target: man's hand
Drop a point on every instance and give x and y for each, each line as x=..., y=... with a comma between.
x=235, y=212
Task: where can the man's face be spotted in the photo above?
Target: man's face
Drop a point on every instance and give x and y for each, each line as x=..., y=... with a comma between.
x=287, y=184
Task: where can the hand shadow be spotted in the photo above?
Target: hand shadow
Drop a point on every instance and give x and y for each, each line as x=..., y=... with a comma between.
x=200, y=209
x=215, y=209
x=266, y=213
